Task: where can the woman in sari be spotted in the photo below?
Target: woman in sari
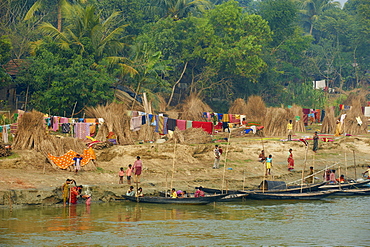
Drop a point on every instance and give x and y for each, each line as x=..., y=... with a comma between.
x=290, y=161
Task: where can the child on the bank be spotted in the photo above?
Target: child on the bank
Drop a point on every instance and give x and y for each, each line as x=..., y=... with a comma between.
x=129, y=173
x=268, y=165
x=121, y=173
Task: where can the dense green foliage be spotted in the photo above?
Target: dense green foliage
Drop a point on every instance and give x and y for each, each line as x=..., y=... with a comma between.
x=79, y=49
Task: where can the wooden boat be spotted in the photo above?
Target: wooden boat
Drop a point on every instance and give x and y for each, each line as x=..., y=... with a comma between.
x=168, y=200
x=234, y=197
x=290, y=196
x=217, y=191
x=344, y=186
x=353, y=192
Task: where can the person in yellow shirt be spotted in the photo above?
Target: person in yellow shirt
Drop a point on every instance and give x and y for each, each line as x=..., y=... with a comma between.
x=290, y=130
x=173, y=193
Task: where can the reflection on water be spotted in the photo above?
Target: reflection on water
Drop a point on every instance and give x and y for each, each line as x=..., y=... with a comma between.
x=329, y=222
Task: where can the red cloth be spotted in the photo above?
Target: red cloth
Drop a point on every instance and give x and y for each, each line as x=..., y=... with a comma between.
x=218, y=126
x=181, y=124
x=206, y=126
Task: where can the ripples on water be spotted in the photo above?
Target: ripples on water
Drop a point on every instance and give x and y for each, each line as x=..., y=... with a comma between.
x=339, y=221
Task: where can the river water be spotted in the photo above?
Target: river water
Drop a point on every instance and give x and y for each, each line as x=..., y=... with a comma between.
x=334, y=221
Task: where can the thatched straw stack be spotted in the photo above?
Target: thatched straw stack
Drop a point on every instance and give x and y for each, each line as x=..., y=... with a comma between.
x=292, y=113
x=31, y=131
x=116, y=120
x=147, y=132
x=329, y=122
x=275, y=122
x=193, y=108
x=351, y=125
x=190, y=136
x=31, y=134
x=256, y=109
x=238, y=107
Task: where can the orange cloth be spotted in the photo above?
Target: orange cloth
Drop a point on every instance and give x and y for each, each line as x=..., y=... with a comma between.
x=66, y=160
x=93, y=126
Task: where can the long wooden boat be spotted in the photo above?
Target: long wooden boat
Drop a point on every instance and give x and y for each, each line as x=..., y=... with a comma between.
x=290, y=196
x=353, y=192
x=168, y=200
x=217, y=191
x=344, y=186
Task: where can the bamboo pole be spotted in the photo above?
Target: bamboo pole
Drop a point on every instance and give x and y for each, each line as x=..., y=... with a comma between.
x=304, y=167
x=345, y=163
x=340, y=186
x=173, y=163
x=354, y=162
x=166, y=185
x=224, y=171
x=243, y=179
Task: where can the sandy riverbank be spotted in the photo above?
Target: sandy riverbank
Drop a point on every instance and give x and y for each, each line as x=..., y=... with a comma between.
x=29, y=171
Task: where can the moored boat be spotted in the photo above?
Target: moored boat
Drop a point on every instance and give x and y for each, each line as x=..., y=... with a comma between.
x=290, y=196
x=344, y=186
x=183, y=200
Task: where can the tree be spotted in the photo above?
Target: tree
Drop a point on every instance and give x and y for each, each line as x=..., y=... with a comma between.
x=5, y=53
x=313, y=9
x=57, y=79
x=179, y=9
x=88, y=32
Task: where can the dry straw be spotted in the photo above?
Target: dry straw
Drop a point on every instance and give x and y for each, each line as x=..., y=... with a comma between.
x=351, y=124
x=116, y=121
x=255, y=109
x=190, y=136
x=275, y=122
x=292, y=113
x=238, y=107
x=329, y=122
x=32, y=135
x=193, y=108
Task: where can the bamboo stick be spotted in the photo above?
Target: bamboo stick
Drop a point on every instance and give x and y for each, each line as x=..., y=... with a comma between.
x=304, y=167
x=224, y=171
x=173, y=163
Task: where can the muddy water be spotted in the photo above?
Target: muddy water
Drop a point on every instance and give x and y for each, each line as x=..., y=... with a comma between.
x=337, y=221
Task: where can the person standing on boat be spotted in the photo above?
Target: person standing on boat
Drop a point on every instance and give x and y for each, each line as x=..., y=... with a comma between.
x=217, y=154
x=315, y=142
x=290, y=160
x=137, y=168
x=268, y=165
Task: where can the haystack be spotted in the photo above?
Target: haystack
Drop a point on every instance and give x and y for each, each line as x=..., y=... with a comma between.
x=352, y=122
x=116, y=121
x=193, y=108
x=32, y=135
x=292, y=113
x=329, y=122
x=255, y=109
x=190, y=136
x=238, y=107
x=275, y=122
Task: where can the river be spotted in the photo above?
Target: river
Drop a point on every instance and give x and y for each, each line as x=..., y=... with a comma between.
x=334, y=221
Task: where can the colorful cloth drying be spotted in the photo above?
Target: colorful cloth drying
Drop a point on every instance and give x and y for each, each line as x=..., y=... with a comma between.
x=66, y=160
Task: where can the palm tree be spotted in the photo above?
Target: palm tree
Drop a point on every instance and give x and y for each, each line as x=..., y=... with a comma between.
x=178, y=9
x=85, y=23
x=312, y=9
x=61, y=5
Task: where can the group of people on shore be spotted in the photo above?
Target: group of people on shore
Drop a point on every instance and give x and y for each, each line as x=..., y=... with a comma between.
x=71, y=192
x=136, y=169
x=268, y=161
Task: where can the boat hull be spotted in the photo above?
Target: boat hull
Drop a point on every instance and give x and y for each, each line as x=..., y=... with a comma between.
x=184, y=200
x=290, y=196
